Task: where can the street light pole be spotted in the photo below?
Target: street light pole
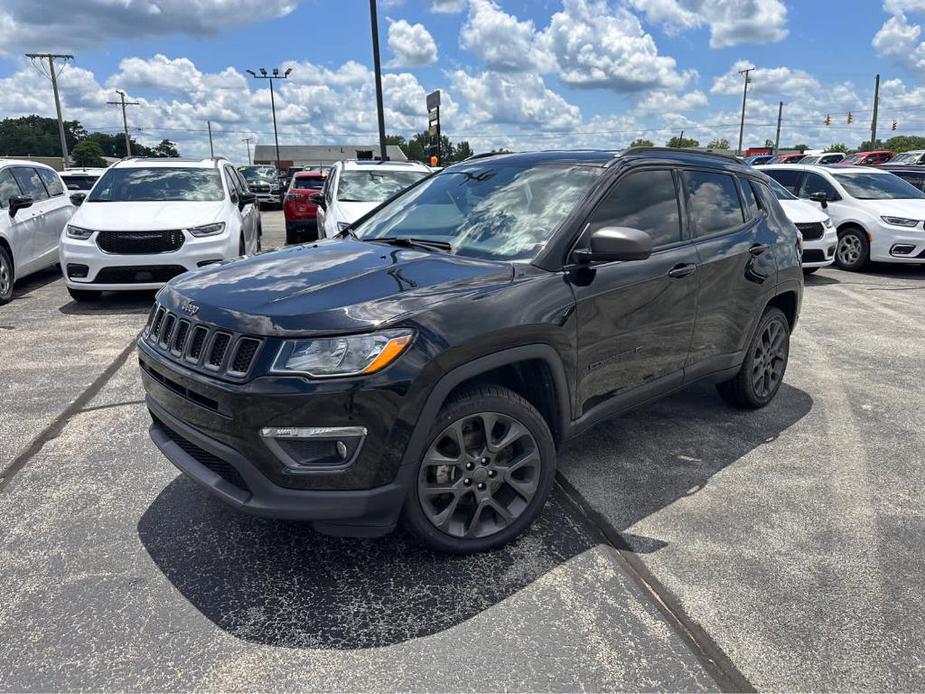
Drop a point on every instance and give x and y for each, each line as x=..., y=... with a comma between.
x=51, y=57
x=374, y=21
x=744, y=98
x=247, y=141
x=275, y=76
x=124, y=103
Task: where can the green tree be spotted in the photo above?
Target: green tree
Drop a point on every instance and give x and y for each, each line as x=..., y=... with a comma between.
x=769, y=143
x=642, y=142
x=838, y=147
x=682, y=142
x=87, y=153
x=37, y=136
x=904, y=143
x=166, y=148
x=718, y=143
x=462, y=151
x=114, y=145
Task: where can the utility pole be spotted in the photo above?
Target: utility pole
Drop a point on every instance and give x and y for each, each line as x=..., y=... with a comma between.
x=780, y=113
x=124, y=103
x=51, y=57
x=247, y=141
x=744, y=98
x=275, y=76
x=211, y=148
x=873, y=122
x=374, y=21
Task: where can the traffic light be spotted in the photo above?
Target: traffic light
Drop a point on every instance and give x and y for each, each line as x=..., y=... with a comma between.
x=850, y=118
x=828, y=119
x=893, y=126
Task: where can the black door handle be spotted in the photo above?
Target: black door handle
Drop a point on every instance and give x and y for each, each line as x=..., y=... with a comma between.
x=758, y=248
x=682, y=270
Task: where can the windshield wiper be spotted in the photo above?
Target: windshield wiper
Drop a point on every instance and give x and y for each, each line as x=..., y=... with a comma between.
x=414, y=243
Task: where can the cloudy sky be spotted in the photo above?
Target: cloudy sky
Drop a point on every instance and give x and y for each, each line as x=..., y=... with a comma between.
x=525, y=74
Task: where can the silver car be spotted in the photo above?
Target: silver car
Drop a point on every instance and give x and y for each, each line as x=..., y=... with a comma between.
x=34, y=207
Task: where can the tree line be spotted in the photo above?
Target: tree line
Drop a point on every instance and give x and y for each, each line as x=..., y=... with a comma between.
x=37, y=136
x=896, y=144
x=418, y=148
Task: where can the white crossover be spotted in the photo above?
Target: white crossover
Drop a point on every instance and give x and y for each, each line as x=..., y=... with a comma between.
x=34, y=208
x=878, y=216
x=819, y=237
x=355, y=187
x=147, y=220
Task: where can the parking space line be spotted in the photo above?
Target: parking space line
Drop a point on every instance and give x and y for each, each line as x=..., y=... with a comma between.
x=719, y=666
x=54, y=429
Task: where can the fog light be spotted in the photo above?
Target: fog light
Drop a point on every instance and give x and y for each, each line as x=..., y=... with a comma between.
x=77, y=270
x=306, y=449
x=902, y=249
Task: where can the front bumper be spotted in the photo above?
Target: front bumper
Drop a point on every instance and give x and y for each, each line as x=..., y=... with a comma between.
x=113, y=271
x=890, y=244
x=820, y=252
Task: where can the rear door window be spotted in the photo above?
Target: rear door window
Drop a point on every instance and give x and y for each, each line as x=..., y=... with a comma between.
x=8, y=188
x=644, y=200
x=713, y=203
x=30, y=182
x=789, y=179
x=814, y=183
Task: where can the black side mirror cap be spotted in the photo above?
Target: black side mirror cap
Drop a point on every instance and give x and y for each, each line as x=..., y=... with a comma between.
x=78, y=198
x=19, y=202
x=608, y=244
x=821, y=198
x=247, y=198
x=316, y=199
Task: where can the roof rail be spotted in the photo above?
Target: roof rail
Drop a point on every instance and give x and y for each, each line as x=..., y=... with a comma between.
x=722, y=154
x=482, y=155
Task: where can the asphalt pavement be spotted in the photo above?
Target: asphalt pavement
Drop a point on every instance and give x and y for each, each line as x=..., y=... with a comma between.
x=688, y=547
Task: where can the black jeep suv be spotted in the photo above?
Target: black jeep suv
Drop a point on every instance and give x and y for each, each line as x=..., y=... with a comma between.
x=426, y=365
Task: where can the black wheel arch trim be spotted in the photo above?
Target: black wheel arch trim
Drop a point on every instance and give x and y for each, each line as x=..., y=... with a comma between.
x=477, y=367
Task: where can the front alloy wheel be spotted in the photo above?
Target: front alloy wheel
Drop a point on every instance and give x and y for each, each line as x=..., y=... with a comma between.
x=485, y=474
x=853, y=250
x=6, y=277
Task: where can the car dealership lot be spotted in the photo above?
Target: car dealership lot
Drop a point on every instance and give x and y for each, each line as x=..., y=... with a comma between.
x=792, y=536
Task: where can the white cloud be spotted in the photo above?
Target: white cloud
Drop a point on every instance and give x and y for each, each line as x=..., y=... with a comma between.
x=898, y=39
x=661, y=102
x=731, y=22
x=773, y=80
x=447, y=6
x=500, y=40
x=597, y=46
x=412, y=44
x=78, y=23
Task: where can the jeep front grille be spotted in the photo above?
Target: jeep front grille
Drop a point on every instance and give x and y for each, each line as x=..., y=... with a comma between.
x=200, y=346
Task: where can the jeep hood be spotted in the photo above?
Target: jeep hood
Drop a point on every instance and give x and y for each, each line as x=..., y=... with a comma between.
x=333, y=286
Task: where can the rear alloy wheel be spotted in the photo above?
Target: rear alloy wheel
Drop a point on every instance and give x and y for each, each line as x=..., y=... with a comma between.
x=762, y=372
x=486, y=473
x=853, y=250
x=6, y=276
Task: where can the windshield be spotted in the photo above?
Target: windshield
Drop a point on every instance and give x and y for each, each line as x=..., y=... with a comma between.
x=873, y=186
x=78, y=181
x=159, y=183
x=810, y=160
x=906, y=158
x=375, y=186
x=779, y=191
x=254, y=173
x=852, y=159
x=503, y=212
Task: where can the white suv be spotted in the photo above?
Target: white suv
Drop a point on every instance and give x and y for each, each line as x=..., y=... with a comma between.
x=816, y=228
x=356, y=187
x=148, y=220
x=878, y=216
x=33, y=210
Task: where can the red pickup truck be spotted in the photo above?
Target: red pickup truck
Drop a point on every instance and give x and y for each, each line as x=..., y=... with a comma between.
x=301, y=213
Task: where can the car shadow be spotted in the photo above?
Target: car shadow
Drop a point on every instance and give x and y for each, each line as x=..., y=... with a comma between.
x=35, y=281
x=139, y=302
x=279, y=583
x=633, y=466
x=816, y=279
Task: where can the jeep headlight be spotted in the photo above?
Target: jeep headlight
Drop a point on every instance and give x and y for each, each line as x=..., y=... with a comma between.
x=78, y=232
x=347, y=355
x=207, y=229
x=900, y=221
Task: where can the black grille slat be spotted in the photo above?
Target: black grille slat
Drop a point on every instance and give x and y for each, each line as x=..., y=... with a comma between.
x=139, y=242
x=156, y=325
x=138, y=274
x=221, y=468
x=167, y=330
x=199, y=338
x=219, y=347
x=811, y=230
x=244, y=355
x=180, y=340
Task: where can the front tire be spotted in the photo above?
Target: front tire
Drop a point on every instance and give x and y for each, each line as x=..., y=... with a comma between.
x=84, y=295
x=762, y=371
x=7, y=277
x=853, y=250
x=484, y=475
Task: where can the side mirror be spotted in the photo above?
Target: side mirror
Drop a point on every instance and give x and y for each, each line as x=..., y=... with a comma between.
x=247, y=198
x=78, y=198
x=821, y=198
x=615, y=243
x=317, y=199
x=19, y=202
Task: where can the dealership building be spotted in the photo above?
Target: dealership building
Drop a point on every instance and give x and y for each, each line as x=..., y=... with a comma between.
x=321, y=155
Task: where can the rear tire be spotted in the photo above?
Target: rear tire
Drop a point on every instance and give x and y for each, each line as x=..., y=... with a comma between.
x=84, y=295
x=7, y=277
x=474, y=493
x=762, y=371
x=853, y=250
